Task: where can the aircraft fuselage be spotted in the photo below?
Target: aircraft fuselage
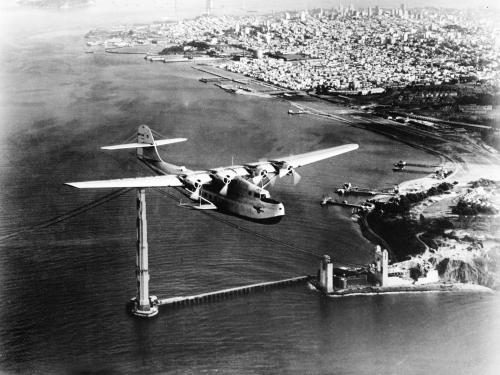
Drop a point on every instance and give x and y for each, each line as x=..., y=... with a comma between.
x=241, y=197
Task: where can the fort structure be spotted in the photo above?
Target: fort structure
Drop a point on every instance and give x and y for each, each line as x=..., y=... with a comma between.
x=377, y=277
x=381, y=269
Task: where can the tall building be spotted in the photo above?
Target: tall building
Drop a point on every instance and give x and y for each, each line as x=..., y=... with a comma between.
x=404, y=12
x=209, y=6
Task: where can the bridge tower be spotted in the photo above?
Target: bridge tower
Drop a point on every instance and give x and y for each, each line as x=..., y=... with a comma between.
x=142, y=305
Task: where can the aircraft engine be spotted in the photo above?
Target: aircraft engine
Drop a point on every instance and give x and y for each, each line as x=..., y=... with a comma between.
x=224, y=175
x=284, y=169
x=196, y=181
x=261, y=172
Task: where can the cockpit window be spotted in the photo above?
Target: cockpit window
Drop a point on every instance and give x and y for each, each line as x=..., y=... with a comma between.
x=257, y=194
x=269, y=200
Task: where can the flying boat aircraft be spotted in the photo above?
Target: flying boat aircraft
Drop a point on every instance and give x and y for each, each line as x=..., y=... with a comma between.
x=239, y=190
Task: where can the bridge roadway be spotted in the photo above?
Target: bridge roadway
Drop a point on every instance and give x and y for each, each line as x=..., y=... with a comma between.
x=230, y=292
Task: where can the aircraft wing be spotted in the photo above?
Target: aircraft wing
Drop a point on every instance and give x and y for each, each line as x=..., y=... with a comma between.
x=265, y=170
x=138, y=182
x=300, y=160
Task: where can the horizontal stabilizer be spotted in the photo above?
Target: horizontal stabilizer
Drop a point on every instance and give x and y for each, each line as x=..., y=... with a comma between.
x=138, y=182
x=159, y=142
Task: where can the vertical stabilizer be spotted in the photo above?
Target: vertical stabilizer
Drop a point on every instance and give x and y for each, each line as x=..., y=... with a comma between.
x=145, y=136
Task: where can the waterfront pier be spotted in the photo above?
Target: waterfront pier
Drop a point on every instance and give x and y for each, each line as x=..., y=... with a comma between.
x=214, y=79
x=330, y=200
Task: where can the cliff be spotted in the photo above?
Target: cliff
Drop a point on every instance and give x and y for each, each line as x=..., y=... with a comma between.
x=454, y=270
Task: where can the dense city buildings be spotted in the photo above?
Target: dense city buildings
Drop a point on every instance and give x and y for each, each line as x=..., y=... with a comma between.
x=345, y=48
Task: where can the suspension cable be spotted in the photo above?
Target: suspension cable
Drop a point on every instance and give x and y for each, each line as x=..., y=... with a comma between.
x=72, y=213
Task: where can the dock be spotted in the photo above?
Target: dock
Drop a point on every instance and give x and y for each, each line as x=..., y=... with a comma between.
x=359, y=191
x=230, y=292
x=219, y=75
x=330, y=200
x=348, y=189
x=214, y=79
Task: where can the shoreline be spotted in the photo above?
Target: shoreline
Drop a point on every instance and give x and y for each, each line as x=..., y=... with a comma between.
x=455, y=155
x=411, y=136
x=427, y=288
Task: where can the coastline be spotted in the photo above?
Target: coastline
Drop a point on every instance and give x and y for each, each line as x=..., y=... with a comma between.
x=63, y=105
x=460, y=160
x=428, y=288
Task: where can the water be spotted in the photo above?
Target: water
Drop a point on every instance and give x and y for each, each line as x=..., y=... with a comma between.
x=64, y=288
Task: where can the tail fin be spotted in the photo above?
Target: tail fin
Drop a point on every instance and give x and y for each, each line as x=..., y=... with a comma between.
x=146, y=144
x=145, y=136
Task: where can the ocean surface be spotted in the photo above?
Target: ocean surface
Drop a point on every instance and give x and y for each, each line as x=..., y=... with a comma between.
x=63, y=288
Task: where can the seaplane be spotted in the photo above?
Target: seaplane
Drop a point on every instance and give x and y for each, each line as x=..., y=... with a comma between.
x=238, y=190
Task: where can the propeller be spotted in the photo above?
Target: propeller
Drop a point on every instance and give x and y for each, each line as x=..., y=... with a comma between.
x=286, y=170
x=226, y=181
x=196, y=193
x=258, y=179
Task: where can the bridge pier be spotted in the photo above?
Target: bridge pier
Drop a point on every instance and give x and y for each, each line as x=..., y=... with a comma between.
x=142, y=305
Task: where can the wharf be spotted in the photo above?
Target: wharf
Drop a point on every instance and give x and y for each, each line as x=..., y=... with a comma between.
x=348, y=189
x=364, y=207
x=330, y=200
x=226, y=78
x=360, y=191
x=230, y=292
x=284, y=92
x=214, y=79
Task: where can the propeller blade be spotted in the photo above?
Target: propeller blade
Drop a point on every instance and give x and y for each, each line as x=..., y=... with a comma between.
x=283, y=172
x=196, y=194
x=257, y=179
x=223, y=191
x=295, y=177
x=270, y=181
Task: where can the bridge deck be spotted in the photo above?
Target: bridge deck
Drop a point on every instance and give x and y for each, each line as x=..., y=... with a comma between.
x=219, y=294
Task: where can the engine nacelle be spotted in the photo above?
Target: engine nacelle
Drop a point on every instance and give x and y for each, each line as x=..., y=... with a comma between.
x=195, y=180
x=224, y=175
x=260, y=170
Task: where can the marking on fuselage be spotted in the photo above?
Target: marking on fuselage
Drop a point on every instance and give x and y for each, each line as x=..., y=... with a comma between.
x=258, y=209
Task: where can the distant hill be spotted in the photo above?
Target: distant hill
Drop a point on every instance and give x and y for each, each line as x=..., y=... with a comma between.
x=59, y=4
